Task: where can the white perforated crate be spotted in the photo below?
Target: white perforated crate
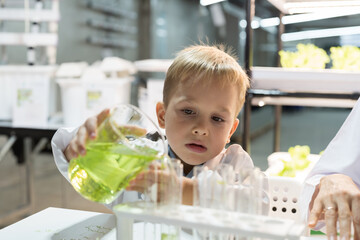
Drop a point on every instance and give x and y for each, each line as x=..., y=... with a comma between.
x=284, y=193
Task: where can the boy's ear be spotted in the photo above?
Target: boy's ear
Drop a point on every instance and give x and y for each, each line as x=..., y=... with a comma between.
x=160, y=113
x=233, y=128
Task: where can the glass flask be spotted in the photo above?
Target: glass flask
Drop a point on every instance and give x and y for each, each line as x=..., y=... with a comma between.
x=127, y=142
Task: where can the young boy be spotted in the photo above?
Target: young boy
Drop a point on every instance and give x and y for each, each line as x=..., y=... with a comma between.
x=203, y=93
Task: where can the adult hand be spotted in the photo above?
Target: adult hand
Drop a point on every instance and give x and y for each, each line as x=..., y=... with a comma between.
x=337, y=199
x=86, y=131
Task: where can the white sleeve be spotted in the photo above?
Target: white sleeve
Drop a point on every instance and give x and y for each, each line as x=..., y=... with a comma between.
x=59, y=142
x=342, y=155
x=237, y=157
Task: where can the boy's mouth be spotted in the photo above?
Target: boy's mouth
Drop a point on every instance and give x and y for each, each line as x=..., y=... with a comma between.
x=196, y=147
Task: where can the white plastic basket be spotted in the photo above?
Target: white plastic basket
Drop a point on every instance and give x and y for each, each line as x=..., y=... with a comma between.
x=284, y=193
x=149, y=97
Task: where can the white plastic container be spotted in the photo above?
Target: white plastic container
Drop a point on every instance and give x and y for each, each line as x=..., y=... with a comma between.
x=149, y=97
x=6, y=94
x=25, y=94
x=81, y=99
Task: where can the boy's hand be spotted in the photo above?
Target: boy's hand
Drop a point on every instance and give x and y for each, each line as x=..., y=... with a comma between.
x=168, y=184
x=86, y=131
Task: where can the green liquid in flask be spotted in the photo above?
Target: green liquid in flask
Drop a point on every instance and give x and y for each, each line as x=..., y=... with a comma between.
x=107, y=168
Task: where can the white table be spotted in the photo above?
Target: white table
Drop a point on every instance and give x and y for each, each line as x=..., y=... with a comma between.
x=58, y=223
x=65, y=224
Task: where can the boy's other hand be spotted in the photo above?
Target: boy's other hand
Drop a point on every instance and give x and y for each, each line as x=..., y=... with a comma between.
x=87, y=131
x=166, y=181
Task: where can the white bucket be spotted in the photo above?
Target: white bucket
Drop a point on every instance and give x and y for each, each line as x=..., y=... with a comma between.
x=25, y=94
x=81, y=99
x=6, y=95
x=149, y=97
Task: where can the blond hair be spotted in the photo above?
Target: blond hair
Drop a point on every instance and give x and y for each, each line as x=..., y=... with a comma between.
x=206, y=64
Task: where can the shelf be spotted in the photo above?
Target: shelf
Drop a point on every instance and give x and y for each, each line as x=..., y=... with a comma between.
x=111, y=10
x=29, y=39
x=308, y=6
x=13, y=14
x=111, y=42
x=305, y=80
x=109, y=26
x=306, y=102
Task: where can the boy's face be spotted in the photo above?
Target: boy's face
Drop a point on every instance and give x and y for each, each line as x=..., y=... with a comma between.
x=199, y=120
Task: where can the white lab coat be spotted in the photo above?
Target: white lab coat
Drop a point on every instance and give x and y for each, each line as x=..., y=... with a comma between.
x=342, y=155
x=233, y=155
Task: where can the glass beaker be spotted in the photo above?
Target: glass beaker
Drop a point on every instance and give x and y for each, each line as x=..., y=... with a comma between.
x=127, y=141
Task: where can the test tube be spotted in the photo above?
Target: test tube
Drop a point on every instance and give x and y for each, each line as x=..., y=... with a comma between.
x=199, y=198
x=225, y=185
x=202, y=186
x=176, y=173
x=170, y=185
x=151, y=186
x=223, y=196
x=196, y=191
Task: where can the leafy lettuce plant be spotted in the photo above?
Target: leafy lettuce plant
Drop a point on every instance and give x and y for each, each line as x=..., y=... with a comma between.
x=299, y=161
x=345, y=58
x=306, y=56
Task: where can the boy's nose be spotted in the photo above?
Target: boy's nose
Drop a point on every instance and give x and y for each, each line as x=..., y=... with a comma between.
x=200, y=131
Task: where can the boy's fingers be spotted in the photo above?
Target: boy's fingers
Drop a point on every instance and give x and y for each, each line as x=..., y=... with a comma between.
x=80, y=141
x=69, y=153
x=102, y=116
x=92, y=123
x=142, y=182
x=90, y=126
x=125, y=130
x=154, y=165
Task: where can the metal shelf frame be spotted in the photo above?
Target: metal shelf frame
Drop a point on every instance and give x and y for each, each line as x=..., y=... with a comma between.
x=276, y=97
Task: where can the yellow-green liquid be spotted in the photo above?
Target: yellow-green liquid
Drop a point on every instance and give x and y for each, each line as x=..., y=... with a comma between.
x=106, y=169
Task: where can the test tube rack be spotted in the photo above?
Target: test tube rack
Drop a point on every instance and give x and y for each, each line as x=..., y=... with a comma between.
x=238, y=224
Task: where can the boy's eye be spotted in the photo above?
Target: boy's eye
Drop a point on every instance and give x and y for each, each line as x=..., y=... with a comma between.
x=188, y=111
x=217, y=119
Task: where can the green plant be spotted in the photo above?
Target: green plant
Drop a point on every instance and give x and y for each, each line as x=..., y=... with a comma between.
x=345, y=57
x=306, y=56
x=299, y=161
